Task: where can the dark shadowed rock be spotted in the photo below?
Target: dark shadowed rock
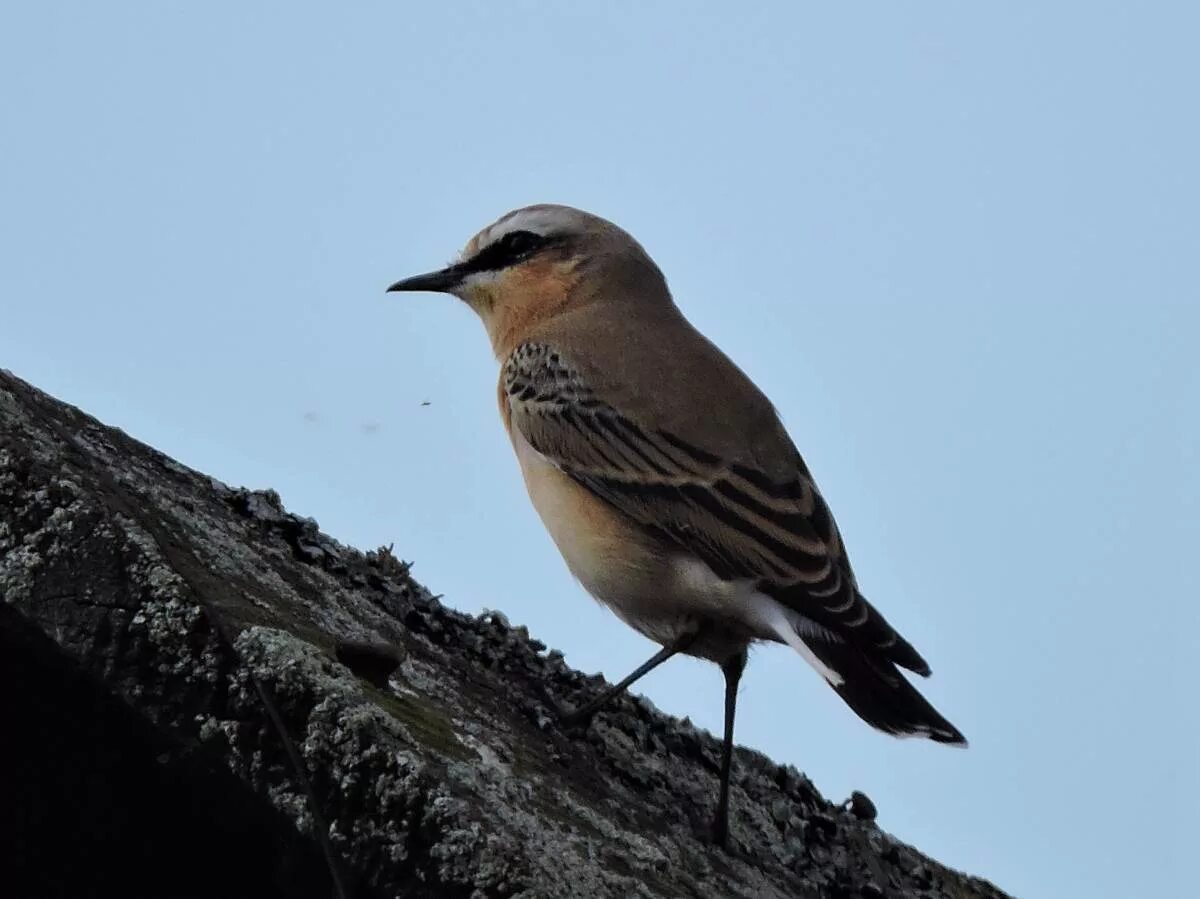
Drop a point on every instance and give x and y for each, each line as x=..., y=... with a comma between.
x=211, y=695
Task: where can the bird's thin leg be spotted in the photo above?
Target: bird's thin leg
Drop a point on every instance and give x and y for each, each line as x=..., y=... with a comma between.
x=732, y=669
x=678, y=645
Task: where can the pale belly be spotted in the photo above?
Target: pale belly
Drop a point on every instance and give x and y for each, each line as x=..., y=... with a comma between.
x=651, y=586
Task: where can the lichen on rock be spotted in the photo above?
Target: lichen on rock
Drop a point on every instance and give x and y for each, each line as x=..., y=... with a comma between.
x=430, y=757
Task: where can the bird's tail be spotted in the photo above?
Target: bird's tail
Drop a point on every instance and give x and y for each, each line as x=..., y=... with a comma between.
x=881, y=695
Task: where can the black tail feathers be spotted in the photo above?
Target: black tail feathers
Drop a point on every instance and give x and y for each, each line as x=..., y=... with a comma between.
x=881, y=696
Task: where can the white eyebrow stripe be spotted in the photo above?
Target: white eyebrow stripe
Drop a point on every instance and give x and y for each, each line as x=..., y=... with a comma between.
x=491, y=234
x=538, y=220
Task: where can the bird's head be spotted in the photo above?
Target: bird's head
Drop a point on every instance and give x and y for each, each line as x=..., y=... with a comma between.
x=537, y=261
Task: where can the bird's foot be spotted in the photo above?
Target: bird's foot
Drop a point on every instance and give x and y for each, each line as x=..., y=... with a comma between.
x=566, y=716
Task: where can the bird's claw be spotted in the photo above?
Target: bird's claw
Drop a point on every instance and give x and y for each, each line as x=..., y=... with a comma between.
x=566, y=716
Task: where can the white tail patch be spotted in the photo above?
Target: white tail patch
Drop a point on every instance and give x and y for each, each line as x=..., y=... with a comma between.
x=788, y=625
x=764, y=615
x=925, y=731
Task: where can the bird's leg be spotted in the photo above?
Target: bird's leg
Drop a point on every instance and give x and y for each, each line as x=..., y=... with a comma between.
x=678, y=645
x=732, y=669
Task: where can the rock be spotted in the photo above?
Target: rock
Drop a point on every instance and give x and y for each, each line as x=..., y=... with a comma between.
x=204, y=683
x=860, y=806
x=371, y=660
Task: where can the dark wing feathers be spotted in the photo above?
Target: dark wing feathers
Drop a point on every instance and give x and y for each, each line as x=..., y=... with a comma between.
x=741, y=522
x=881, y=696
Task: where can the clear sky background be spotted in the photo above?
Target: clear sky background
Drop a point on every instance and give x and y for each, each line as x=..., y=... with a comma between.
x=956, y=244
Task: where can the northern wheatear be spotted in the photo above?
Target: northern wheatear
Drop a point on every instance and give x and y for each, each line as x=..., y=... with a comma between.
x=663, y=473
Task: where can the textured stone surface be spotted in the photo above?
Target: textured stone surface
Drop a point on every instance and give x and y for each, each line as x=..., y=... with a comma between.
x=427, y=738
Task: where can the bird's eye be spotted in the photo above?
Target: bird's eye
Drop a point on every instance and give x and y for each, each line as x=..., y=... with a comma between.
x=518, y=243
x=508, y=250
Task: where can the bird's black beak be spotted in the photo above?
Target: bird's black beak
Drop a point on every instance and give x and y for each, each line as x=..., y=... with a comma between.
x=438, y=282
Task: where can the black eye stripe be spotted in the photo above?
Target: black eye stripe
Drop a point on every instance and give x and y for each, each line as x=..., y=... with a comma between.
x=508, y=250
x=521, y=241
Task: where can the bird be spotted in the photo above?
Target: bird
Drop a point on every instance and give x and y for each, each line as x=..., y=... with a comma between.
x=665, y=476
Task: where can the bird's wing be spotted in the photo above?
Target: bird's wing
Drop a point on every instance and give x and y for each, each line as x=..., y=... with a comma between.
x=739, y=521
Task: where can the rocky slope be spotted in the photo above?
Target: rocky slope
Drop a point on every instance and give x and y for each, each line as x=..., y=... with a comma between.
x=209, y=697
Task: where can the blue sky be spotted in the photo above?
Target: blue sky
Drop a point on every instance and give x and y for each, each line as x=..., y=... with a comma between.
x=956, y=244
